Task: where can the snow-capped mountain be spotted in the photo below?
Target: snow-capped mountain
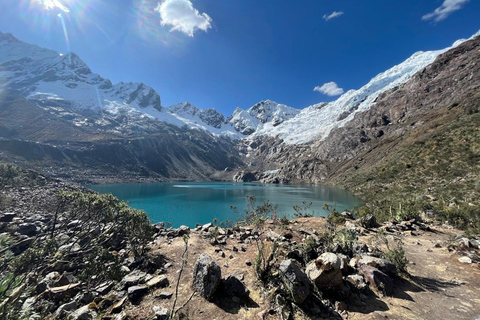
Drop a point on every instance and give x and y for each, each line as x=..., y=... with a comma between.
x=263, y=114
x=315, y=122
x=43, y=76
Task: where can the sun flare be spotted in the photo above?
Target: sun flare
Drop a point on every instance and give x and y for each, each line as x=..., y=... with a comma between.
x=54, y=4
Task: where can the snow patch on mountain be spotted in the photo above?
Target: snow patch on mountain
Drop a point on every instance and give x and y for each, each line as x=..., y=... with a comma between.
x=261, y=116
x=315, y=122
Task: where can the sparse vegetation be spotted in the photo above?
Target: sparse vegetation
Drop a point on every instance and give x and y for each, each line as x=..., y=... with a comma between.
x=304, y=210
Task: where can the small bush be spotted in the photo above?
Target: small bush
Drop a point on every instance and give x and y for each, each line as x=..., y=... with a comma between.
x=398, y=258
x=336, y=218
x=304, y=210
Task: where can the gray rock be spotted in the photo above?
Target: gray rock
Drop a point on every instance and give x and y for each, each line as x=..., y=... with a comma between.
x=161, y=313
x=368, y=221
x=183, y=230
x=357, y=281
x=381, y=264
x=325, y=271
x=234, y=287
x=164, y=295
x=295, y=280
x=28, y=229
x=377, y=279
x=465, y=260
x=158, y=282
x=206, y=276
x=84, y=313
x=475, y=243
x=65, y=309
x=7, y=217
x=133, y=278
x=207, y=226
x=136, y=292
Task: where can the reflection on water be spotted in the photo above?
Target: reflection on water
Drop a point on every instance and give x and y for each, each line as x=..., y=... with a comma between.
x=190, y=203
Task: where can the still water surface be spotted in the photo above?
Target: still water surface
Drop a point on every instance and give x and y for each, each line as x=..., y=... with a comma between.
x=189, y=203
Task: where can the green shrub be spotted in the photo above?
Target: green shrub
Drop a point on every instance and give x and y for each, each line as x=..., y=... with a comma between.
x=336, y=218
x=304, y=210
x=398, y=258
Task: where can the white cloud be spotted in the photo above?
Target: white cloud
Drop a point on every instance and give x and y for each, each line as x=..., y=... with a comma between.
x=52, y=4
x=334, y=14
x=442, y=12
x=183, y=17
x=330, y=89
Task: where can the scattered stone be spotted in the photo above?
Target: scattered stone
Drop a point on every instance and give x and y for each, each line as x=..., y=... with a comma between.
x=65, y=309
x=133, y=278
x=207, y=226
x=368, y=221
x=474, y=243
x=117, y=307
x=381, y=264
x=248, y=262
x=206, y=276
x=158, y=282
x=7, y=217
x=183, y=230
x=164, y=295
x=136, y=292
x=84, y=313
x=377, y=279
x=465, y=260
x=28, y=229
x=295, y=280
x=64, y=292
x=161, y=313
x=357, y=281
x=325, y=271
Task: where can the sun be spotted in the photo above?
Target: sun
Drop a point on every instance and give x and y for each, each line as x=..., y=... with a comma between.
x=54, y=4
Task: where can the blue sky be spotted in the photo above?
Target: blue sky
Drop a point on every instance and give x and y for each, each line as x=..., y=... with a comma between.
x=233, y=53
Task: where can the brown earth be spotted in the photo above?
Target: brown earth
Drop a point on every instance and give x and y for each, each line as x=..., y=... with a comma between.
x=438, y=287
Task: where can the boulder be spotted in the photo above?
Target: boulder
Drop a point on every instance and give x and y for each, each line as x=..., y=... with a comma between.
x=164, y=295
x=21, y=246
x=84, y=313
x=357, y=281
x=234, y=287
x=183, y=230
x=206, y=276
x=377, y=279
x=65, y=309
x=295, y=280
x=28, y=229
x=158, y=282
x=325, y=271
x=161, y=313
x=475, y=243
x=465, y=260
x=381, y=264
x=368, y=221
x=136, y=292
x=7, y=217
x=133, y=278
x=207, y=227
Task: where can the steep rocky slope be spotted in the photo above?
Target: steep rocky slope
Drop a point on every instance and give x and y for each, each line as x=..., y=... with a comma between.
x=438, y=96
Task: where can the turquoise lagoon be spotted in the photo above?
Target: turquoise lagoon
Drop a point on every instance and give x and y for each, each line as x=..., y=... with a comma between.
x=189, y=203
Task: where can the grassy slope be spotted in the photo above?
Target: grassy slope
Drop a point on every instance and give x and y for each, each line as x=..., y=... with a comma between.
x=435, y=167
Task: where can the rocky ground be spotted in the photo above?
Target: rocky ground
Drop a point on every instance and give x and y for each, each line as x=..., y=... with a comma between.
x=306, y=268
